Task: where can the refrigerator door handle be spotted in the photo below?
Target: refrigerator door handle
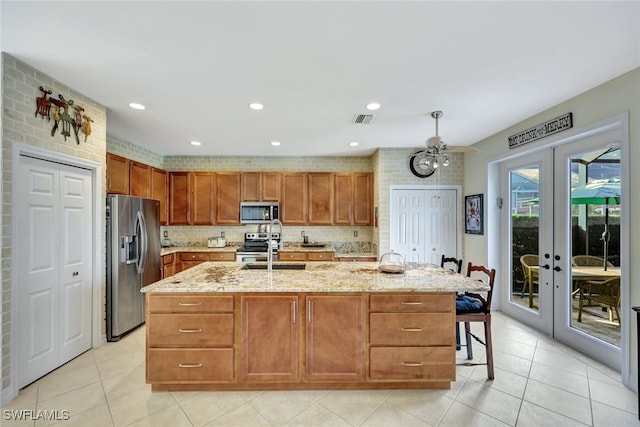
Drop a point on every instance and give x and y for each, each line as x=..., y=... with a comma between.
x=142, y=230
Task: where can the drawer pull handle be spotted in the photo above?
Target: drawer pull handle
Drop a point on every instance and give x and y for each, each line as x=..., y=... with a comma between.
x=185, y=304
x=190, y=331
x=190, y=365
x=412, y=364
x=412, y=329
x=410, y=302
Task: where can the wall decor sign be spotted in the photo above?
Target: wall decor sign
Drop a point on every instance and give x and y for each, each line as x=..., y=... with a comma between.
x=473, y=214
x=556, y=125
x=66, y=115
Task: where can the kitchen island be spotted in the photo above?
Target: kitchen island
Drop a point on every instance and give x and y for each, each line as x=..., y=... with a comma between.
x=234, y=326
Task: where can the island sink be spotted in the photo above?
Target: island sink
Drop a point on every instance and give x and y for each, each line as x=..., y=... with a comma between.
x=275, y=266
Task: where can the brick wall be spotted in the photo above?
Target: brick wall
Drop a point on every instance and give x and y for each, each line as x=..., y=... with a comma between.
x=20, y=84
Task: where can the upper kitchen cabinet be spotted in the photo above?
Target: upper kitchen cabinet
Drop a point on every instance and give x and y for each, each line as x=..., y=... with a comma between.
x=201, y=206
x=320, y=197
x=117, y=174
x=227, y=197
x=293, y=203
x=353, y=198
x=179, y=195
x=261, y=187
x=139, y=179
x=159, y=192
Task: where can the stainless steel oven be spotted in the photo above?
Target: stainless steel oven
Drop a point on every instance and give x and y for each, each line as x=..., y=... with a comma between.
x=256, y=247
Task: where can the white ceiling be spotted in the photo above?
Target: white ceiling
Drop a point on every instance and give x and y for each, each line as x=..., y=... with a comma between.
x=315, y=65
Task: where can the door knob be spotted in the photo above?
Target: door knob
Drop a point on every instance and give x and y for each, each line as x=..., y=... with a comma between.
x=546, y=266
x=556, y=268
x=75, y=273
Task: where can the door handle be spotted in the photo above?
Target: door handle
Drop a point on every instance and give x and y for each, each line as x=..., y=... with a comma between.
x=556, y=268
x=546, y=266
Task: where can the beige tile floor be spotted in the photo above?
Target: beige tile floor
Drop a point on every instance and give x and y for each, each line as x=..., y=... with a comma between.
x=538, y=382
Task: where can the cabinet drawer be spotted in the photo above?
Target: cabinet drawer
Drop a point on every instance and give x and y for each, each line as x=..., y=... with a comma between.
x=292, y=256
x=414, y=303
x=190, y=330
x=189, y=256
x=168, y=259
x=192, y=364
x=222, y=256
x=412, y=329
x=419, y=363
x=189, y=304
x=320, y=256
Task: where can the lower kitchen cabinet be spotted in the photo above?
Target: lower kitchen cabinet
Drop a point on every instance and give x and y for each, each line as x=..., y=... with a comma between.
x=269, y=338
x=334, y=337
x=190, y=339
x=190, y=259
x=300, y=341
x=306, y=256
x=168, y=265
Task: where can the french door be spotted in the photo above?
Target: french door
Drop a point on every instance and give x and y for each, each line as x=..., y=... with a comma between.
x=546, y=228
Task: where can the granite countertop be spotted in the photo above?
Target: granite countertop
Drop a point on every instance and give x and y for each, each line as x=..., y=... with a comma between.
x=317, y=277
x=175, y=249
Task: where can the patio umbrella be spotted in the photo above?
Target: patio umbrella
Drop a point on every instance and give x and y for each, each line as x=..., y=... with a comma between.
x=599, y=193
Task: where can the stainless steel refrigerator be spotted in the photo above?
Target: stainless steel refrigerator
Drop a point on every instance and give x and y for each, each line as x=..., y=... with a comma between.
x=133, y=259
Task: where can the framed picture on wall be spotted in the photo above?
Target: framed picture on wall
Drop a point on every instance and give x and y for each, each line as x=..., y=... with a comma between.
x=473, y=214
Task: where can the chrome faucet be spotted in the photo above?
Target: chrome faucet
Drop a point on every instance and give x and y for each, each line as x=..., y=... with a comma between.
x=269, y=238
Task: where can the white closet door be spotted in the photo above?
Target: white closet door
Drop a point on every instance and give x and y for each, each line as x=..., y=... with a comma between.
x=407, y=224
x=53, y=241
x=75, y=261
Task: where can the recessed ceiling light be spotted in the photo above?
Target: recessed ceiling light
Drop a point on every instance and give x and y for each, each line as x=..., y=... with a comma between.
x=275, y=143
x=256, y=106
x=196, y=143
x=137, y=106
x=373, y=106
x=354, y=143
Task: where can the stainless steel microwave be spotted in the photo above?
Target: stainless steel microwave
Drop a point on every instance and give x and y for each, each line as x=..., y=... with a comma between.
x=259, y=212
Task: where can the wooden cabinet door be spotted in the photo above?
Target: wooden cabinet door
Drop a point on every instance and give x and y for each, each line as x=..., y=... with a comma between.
x=335, y=337
x=363, y=199
x=293, y=207
x=159, y=192
x=227, y=198
x=201, y=207
x=269, y=338
x=343, y=198
x=179, y=192
x=271, y=186
x=320, y=196
x=251, y=187
x=117, y=174
x=139, y=179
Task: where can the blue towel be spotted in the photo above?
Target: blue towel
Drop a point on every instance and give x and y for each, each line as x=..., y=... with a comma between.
x=467, y=304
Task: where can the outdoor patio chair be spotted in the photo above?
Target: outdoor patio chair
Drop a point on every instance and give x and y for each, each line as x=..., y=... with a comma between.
x=531, y=275
x=603, y=292
x=472, y=307
x=589, y=261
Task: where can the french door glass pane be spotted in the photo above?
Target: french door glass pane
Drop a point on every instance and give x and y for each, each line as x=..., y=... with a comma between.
x=595, y=242
x=524, y=204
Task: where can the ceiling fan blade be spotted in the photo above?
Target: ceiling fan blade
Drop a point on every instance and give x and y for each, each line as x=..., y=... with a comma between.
x=462, y=149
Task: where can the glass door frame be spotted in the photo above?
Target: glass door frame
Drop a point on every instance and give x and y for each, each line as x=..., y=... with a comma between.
x=615, y=128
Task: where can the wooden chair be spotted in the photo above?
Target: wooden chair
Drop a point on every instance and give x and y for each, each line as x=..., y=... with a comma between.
x=530, y=275
x=480, y=313
x=452, y=260
x=603, y=292
x=457, y=267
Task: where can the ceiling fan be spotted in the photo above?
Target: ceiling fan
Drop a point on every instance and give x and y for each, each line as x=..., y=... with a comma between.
x=424, y=163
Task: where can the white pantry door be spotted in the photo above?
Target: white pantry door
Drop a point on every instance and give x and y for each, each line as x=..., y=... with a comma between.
x=424, y=224
x=54, y=247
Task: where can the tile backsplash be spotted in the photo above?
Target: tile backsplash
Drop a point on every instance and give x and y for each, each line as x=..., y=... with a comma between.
x=342, y=239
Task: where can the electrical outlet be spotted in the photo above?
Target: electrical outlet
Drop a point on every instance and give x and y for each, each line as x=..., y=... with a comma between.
x=355, y=233
x=166, y=234
x=302, y=233
x=222, y=234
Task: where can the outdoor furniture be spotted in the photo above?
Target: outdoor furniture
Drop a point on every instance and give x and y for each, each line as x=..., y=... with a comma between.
x=588, y=261
x=603, y=292
x=472, y=307
x=531, y=274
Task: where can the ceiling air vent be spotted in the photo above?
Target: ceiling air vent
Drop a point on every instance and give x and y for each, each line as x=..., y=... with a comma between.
x=363, y=119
